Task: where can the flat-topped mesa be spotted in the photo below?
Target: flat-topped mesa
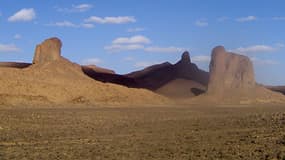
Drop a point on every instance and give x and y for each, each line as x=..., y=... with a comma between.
x=47, y=51
x=230, y=73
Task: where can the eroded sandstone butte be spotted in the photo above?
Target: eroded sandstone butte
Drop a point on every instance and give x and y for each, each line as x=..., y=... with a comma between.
x=48, y=51
x=232, y=81
x=230, y=72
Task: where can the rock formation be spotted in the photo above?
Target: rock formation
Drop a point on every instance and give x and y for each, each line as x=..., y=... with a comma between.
x=47, y=51
x=108, y=76
x=156, y=76
x=185, y=58
x=232, y=81
x=187, y=70
x=178, y=80
x=181, y=80
x=230, y=72
x=52, y=79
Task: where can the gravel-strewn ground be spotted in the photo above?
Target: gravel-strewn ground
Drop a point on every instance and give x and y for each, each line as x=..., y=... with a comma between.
x=143, y=133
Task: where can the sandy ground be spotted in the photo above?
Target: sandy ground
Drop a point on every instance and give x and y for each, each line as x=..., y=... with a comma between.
x=159, y=133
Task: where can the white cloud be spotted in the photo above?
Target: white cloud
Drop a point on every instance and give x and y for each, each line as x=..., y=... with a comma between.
x=255, y=49
x=246, y=19
x=17, y=36
x=87, y=25
x=138, y=42
x=72, y=25
x=118, y=47
x=201, y=59
x=279, y=18
x=64, y=24
x=164, y=49
x=201, y=23
x=82, y=7
x=135, y=29
x=127, y=43
x=223, y=19
x=144, y=64
x=258, y=61
x=8, y=48
x=75, y=8
x=92, y=61
x=132, y=40
x=129, y=59
x=110, y=20
x=280, y=45
x=23, y=15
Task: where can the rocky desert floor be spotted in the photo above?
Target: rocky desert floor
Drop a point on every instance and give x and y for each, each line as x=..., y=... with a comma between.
x=225, y=132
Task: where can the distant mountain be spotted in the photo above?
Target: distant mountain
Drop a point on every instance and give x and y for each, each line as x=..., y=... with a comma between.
x=105, y=76
x=162, y=78
x=98, y=69
x=14, y=64
x=280, y=89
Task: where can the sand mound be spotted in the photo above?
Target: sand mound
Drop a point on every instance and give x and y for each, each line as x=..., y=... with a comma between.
x=181, y=88
x=58, y=81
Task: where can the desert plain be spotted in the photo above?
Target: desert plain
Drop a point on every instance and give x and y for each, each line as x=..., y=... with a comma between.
x=55, y=109
x=142, y=80
x=143, y=132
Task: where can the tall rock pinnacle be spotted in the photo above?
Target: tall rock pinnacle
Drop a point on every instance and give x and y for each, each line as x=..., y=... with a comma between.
x=49, y=50
x=185, y=58
x=230, y=72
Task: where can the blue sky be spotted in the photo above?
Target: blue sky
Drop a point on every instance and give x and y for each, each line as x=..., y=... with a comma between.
x=128, y=35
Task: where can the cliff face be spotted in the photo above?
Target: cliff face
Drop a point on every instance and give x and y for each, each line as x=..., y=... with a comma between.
x=232, y=81
x=230, y=72
x=47, y=51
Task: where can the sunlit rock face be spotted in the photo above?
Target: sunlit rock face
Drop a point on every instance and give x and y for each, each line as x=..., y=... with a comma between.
x=47, y=51
x=230, y=72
